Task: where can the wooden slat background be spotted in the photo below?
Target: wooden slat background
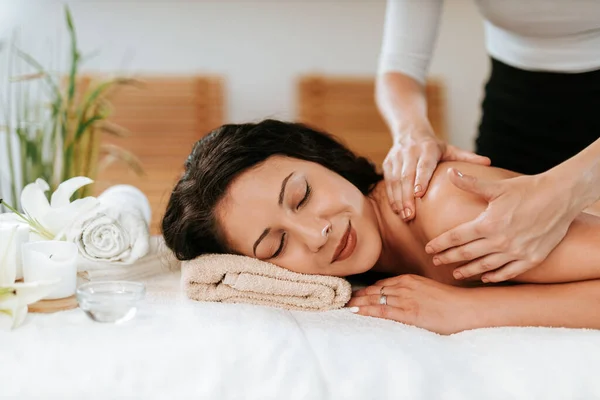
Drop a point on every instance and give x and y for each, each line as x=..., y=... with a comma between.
x=165, y=116
x=345, y=106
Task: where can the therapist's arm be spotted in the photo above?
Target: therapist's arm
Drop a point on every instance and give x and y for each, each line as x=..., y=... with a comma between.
x=410, y=32
x=580, y=174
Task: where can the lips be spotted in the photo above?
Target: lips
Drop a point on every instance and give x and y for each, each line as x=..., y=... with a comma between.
x=346, y=245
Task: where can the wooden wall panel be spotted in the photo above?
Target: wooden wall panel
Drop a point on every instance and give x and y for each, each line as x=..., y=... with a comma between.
x=165, y=116
x=345, y=107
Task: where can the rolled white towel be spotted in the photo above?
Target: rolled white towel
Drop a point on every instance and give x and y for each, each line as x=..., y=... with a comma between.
x=159, y=259
x=116, y=230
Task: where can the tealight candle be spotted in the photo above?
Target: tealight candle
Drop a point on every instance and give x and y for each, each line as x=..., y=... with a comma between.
x=51, y=260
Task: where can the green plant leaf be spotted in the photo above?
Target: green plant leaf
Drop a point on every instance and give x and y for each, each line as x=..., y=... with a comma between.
x=36, y=65
x=116, y=153
x=74, y=55
x=95, y=94
x=113, y=129
x=82, y=127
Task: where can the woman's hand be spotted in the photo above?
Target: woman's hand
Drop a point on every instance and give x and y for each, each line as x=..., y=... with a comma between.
x=418, y=301
x=410, y=163
x=526, y=218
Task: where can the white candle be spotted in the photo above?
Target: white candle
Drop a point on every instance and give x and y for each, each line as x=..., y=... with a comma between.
x=12, y=237
x=51, y=260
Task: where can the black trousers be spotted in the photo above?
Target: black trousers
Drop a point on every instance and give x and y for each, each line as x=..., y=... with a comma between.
x=532, y=121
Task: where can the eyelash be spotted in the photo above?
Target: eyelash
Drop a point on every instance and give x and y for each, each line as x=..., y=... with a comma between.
x=306, y=196
x=300, y=204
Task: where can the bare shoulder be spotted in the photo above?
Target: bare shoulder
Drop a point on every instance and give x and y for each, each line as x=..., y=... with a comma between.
x=445, y=206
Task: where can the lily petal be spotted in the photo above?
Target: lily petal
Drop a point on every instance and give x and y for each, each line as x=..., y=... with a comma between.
x=42, y=184
x=59, y=219
x=62, y=196
x=27, y=293
x=8, y=255
x=6, y=319
x=34, y=201
x=19, y=316
x=8, y=312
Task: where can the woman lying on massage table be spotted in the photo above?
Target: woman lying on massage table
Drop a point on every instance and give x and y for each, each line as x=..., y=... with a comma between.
x=295, y=197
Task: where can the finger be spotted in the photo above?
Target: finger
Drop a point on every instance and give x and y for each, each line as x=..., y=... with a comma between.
x=484, y=188
x=455, y=154
x=425, y=169
x=383, y=311
x=388, y=281
x=391, y=182
x=360, y=292
x=402, y=280
x=482, y=265
x=409, y=170
x=509, y=271
x=467, y=252
x=397, y=193
x=368, y=291
x=455, y=237
x=374, y=300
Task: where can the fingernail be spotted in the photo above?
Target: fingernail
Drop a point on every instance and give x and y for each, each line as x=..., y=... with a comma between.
x=458, y=275
x=436, y=261
x=485, y=280
x=408, y=212
x=459, y=173
x=418, y=189
x=403, y=215
x=428, y=249
x=353, y=309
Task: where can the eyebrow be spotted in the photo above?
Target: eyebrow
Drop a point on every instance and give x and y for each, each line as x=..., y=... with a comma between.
x=283, y=184
x=280, y=202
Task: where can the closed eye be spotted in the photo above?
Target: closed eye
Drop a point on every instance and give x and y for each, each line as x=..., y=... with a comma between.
x=281, y=245
x=300, y=204
x=306, y=196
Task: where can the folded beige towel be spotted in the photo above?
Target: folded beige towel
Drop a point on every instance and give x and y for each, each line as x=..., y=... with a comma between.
x=237, y=279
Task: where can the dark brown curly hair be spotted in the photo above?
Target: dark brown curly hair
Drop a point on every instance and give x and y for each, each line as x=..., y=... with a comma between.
x=190, y=226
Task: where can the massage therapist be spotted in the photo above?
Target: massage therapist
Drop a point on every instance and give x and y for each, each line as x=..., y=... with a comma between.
x=540, y=116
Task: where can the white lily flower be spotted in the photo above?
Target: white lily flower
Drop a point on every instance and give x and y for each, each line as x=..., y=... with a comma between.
x=47, y=221
x=50, y=220
x=8, y=266
x=15, y=297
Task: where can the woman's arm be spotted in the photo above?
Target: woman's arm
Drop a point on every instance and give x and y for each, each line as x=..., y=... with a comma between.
x=576, y=258
x=569, y=305
x=445, y=309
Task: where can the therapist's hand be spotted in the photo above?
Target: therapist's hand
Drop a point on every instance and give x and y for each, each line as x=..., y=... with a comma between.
x=410, y=164
x=526, y=218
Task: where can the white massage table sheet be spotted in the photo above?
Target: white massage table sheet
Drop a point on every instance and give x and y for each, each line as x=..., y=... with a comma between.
x=178, y=348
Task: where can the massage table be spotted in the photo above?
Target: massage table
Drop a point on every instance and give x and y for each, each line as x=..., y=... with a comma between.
x=179, y=348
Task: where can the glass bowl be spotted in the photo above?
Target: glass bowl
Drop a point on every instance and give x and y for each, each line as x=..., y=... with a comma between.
x=110, y=301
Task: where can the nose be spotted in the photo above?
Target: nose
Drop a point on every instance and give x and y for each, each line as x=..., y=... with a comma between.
x=314, y=233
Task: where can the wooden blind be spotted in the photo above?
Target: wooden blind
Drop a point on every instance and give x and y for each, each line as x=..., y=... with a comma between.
x=165, y=116
x=345, y=107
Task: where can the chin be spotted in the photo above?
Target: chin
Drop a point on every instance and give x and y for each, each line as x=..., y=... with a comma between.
x=363, y=259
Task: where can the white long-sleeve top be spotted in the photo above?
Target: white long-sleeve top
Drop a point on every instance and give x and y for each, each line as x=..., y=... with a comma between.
x=535, y=35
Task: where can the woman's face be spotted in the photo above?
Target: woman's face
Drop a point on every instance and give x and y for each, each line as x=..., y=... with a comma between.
x=301, y=216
